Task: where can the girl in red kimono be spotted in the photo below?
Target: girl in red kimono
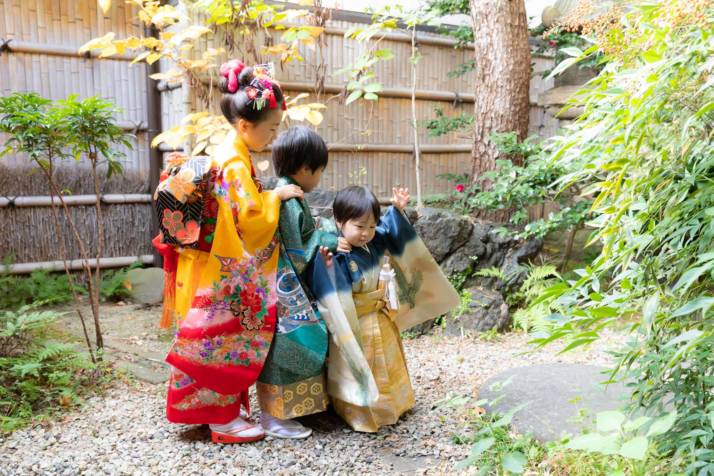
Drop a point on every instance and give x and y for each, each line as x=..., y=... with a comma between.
x=225, y=290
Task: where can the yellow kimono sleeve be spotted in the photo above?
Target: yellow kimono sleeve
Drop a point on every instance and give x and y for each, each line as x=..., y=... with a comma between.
x=255, y=213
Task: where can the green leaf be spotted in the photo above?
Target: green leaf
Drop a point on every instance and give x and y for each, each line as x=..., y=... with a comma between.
x=636, y=448
x=595, y=443
x=700, y=303
x=572, y=51
x=663, y=425
x=688, y=278
x=610, y=421
x=356, y=94
x=562, y=66
x=651, y=56
x=482, y=445
x=373, y=87
x=514, y=462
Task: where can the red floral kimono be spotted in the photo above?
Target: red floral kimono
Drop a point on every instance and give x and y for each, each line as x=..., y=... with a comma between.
x=225, y=296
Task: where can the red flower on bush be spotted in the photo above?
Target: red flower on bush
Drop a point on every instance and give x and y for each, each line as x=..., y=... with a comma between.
x=552, y=43
x=460, y=188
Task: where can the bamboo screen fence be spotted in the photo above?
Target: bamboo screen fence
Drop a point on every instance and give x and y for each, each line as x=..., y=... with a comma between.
x=370, y=143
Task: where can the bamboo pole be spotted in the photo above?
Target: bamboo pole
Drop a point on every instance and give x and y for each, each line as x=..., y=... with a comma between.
x=15, y=46
x=76, y=200
x=77, y=264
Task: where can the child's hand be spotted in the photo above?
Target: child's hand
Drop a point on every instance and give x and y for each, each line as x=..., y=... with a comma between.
x=286, y=192
x=343, y=246
x=326, y=255
x=400, y=198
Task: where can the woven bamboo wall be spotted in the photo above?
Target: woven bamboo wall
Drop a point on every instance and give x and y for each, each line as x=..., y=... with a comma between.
x=46, y=35
x=38, y=26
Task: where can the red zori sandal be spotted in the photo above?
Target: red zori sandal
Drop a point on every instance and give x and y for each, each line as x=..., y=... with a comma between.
x=236, y=431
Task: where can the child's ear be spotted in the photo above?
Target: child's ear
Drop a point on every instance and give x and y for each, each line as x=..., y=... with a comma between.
x=243, y=126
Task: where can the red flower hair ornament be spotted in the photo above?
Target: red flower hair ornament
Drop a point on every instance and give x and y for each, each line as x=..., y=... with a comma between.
x=231, y=70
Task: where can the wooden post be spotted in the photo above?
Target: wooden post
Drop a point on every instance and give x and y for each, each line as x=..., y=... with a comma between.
x=153, y=106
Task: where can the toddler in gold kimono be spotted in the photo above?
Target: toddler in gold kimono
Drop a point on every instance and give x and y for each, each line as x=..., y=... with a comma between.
x=389, y=282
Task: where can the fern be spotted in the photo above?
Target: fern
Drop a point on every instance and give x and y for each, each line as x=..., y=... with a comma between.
x=54, y=350
x=534, y=318
x=36, y=374
x=492, y=272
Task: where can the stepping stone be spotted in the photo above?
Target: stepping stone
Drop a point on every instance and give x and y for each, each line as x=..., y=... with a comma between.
x=147, y=285
x=561, y=398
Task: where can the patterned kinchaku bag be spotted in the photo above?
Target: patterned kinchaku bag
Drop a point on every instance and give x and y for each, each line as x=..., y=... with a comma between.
x=180, y=200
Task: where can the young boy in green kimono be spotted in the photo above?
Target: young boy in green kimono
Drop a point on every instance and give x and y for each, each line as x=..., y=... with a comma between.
x=292, y=383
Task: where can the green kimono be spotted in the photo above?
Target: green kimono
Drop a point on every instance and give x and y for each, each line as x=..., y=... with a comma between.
x=292, y=383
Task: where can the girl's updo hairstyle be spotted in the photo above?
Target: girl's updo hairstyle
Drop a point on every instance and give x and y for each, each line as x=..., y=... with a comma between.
x=248, y=93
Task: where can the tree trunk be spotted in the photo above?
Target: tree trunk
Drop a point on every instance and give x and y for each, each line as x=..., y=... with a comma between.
x=503, y=70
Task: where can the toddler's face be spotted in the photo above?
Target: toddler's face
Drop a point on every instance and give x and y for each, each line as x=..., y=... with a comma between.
x=360, y=231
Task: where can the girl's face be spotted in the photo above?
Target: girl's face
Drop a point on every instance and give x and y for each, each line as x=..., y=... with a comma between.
x=258, y=135
x=359, y=231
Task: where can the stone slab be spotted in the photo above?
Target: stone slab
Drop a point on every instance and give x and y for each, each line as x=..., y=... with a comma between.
x=561, y=398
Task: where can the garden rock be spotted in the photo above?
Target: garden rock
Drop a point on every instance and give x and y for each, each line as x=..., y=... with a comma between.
x=147, y=285
x=464, y=258
x=512, y=268
x=443, y=232
x=486, y=310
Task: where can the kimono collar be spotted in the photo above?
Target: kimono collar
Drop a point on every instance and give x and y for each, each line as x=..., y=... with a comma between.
x=234, y=148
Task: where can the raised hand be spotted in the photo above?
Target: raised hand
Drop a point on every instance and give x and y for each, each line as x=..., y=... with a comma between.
x=326, y=255
x=400, y=198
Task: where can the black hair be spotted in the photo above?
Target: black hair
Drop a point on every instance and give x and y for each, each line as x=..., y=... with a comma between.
x=355, y=202
x=238, y=105
x=297, y=147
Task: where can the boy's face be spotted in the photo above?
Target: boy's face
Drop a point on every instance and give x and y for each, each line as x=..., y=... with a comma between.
x=359, y=231
x=307, y=179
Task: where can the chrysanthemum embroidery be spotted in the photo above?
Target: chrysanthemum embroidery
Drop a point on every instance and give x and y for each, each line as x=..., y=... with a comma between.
x=172, y=220
x=181, y=185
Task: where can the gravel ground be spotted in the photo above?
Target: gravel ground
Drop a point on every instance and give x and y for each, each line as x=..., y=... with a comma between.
x=125, y=432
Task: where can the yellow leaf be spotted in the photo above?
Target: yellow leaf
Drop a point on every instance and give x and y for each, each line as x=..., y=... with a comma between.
x=199, y=148
x=133, y=43
x=166, y=35
x=153, y=58
x=297, y=113
x=105, y=5
x=314, y=117
x=141, y=57
x=314, y=31
x=108, y=51
x=194, y=117
x=97, y=43
x=316, y=105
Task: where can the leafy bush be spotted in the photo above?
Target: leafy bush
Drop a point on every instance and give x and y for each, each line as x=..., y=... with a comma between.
x=644, y=150
x=39, y=286
x=37, y=375
x=114, y=284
